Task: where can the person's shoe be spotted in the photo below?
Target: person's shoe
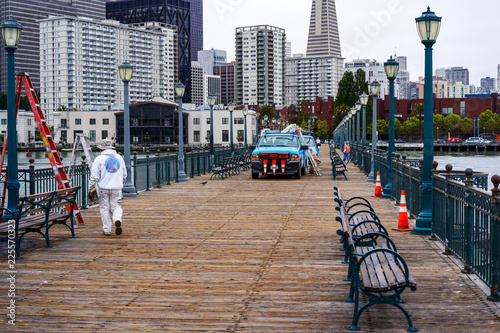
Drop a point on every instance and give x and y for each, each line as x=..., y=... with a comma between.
x=106, y=233
x=118, y=226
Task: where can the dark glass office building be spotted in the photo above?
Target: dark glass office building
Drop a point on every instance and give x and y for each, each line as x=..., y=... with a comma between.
x=176, y=12
x=196, y=28
x=28, y=12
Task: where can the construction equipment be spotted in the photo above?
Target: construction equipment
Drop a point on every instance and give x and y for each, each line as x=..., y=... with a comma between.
x=83, y=139
x=23, y=79
x=310, y=157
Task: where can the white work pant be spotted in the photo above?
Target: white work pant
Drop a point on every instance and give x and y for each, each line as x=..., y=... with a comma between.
x=110, y=202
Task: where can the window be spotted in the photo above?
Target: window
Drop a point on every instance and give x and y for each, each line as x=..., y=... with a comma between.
x=78, y=121
x=225, y=121
x=240, y=136
x=208, y=135
x=462, y=109
x=92, y=121
x=196, y=121
x=239, y=121
x=92, y=136
x=4, y=121
x=105, y=121
x=208, y=121
x=225, y=135
x=196, y=135
x=104, y=134
x=447, y=111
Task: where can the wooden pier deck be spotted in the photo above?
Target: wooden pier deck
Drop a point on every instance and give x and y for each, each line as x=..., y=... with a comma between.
x=234, y=255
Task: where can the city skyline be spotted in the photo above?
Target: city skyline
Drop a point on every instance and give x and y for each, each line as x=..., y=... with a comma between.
x=381, y=29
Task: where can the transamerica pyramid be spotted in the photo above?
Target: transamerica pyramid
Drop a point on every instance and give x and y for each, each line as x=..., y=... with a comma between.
x=323, y=30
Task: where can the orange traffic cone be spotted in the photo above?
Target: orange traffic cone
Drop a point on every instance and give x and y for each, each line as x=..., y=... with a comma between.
x=403, y=215
x=378, y=187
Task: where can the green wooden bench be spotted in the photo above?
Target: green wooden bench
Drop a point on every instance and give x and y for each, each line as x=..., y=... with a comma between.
x=338, y=166
x=375, y=267
x=38, y=213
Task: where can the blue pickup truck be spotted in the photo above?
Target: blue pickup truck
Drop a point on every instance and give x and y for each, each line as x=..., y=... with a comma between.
x=279, y=154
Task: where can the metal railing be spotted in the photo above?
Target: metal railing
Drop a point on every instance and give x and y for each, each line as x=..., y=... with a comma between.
x=147, y=172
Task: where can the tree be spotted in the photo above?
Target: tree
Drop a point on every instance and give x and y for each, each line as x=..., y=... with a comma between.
x=302, y=117
x=346, y=93
x=382, y=127
x=322, y=129
x=411, y=127
x=452, y=123
x=466, y=126
x=418, y=111
x=489, y=121
x=3, y=101
x=267, y=110
x=62, y=108
x=360, y=83
x=438, y=121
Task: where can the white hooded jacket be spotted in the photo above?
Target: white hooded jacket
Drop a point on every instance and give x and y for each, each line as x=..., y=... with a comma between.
x=108, y=171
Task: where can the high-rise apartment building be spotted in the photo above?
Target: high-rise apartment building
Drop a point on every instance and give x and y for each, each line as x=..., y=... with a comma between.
x=210, y=58
x=197, y=84
x=79, y=61
x=323, y=37
x=487, y=85
x=374, y=71
x=311, y=77
x=457, y=74
x=212, y=88
x=174, y=12
x=226, y=74
x=196, y=28
x=28, y=13
x=260, y=61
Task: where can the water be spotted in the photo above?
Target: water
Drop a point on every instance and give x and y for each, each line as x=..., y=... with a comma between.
x=488, y=162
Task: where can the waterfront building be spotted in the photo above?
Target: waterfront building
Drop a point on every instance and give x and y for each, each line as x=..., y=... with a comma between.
x=79, y=61
x=26, y=126
x=323, y=39
x=210, y=58
x=28, y=13
x=97, y=123
x=311, y=77
x=260, y=62
x=226, y=74
x=173, y=12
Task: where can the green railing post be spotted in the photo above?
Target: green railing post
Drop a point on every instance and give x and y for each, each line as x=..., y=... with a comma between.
x=32, y=177
x=449, y=211
x=135, y=169
x=84, y=188
x=168, y=169
x=434, y=172
x=158, y=169
x=495, y=239
x=198, y=160
x=468, y=223
x=147, y=170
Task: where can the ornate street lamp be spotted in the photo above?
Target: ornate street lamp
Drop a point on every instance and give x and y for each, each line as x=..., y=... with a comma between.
x=374, y=91
x=358, y=107
x=391, y=70
x=266, y=118
x=364, y=100
x=231, y=109
x=353, y=127
x=428, y=25
x=181, y=174
x=273, y=121
x=211, y=102
x=245, y=113
x=126, y=70
x=11, y=35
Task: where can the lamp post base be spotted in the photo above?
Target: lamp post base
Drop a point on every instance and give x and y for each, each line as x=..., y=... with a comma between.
x=423, y=224
x=370, y=177
x=182, y=177
x=129, y=190
x=387, y=192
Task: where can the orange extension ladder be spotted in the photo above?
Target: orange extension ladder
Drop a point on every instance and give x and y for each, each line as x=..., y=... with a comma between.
x=23, y=79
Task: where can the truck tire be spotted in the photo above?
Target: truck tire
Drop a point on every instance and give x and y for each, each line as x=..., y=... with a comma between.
x=298, y=174
x=255, y=175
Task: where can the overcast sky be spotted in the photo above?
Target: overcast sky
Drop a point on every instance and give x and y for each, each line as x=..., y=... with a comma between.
x=373, y=29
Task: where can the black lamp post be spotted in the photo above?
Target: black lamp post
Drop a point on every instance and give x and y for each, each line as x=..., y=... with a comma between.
x=358, y=107
x=231, y=109
x=11, y=35
x=211, y=103
x=181, y=174
x=245, y=113
x=391, y=70
x=428, y=25
x=126, y=70
x=374, y=90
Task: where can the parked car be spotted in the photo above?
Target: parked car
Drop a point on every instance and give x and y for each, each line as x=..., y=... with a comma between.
x=475, y=139
x=454, y=140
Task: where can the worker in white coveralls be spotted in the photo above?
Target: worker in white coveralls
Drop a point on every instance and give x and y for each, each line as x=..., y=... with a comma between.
x=109, y=173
